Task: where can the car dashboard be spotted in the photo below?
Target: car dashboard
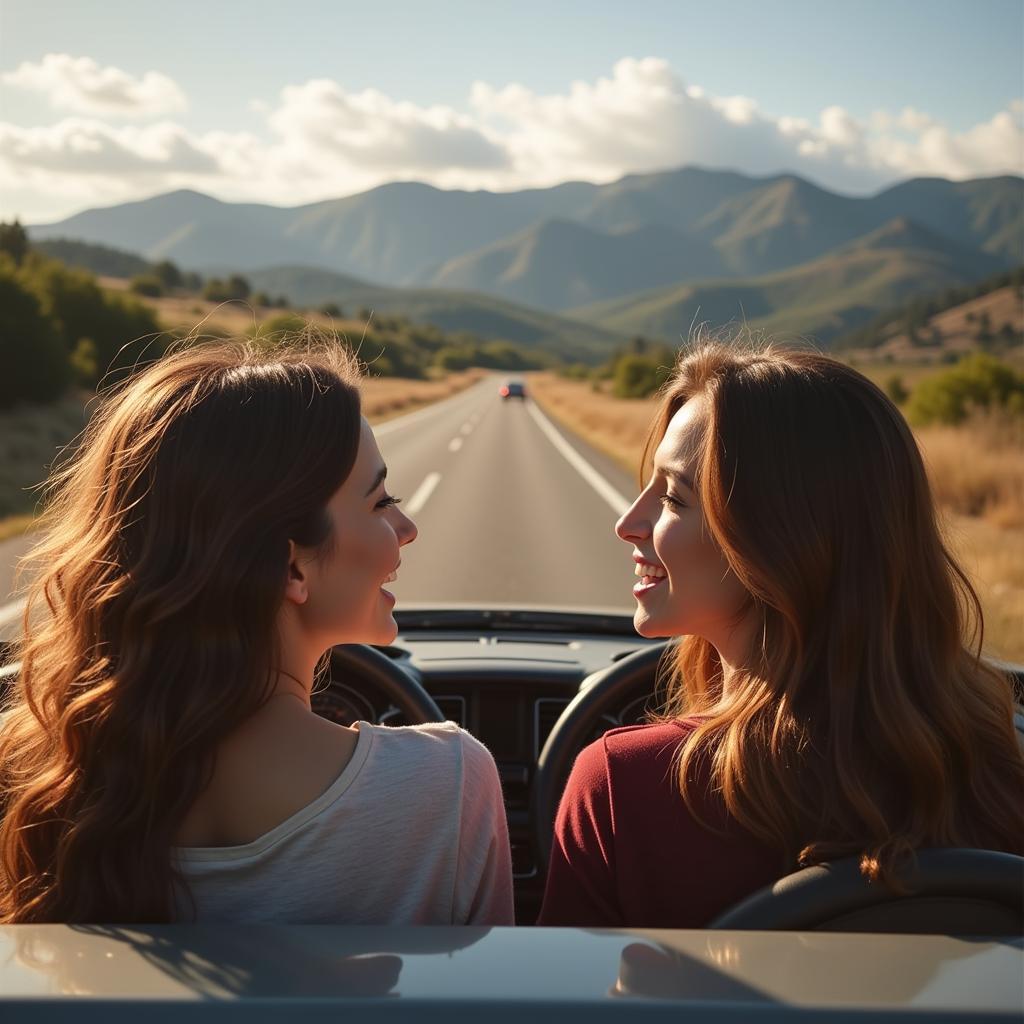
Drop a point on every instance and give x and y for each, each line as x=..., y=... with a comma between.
x=505, y=675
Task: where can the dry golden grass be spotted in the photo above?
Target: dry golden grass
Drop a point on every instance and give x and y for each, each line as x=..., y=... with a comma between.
x=977, y=473
x=977, y=469
x=993, y=557
x=182, y=314
x=387, y=397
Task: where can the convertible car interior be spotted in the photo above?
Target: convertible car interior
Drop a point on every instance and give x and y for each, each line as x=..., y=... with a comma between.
x=535, y=685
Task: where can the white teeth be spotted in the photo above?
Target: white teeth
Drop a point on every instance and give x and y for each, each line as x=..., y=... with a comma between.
x=645, y=569
x=392, y=578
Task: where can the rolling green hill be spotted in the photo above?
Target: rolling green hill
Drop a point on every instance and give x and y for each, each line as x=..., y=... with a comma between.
x=98, y=259
x=557, y=264
x=822, y=299
x=451, y=311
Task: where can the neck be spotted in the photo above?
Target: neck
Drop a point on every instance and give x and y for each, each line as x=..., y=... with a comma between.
x=298, y=660
x=735, y=652
x=288, y=685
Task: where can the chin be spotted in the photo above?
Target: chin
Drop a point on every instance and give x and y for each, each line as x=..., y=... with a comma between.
x=385, y=633
x=647, y=626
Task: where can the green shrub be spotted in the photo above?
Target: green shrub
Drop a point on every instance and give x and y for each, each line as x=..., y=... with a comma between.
x=896, y=389
x=14, y=241
x=637, y=377
x=218, y=290
x=283, y=323
x=168, y=274
x=148, y=285
x=84, y=363
x=120, y=326
x=32, y=354
x=978, y=381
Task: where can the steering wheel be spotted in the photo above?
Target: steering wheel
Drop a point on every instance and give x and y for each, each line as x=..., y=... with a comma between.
x=361, y=663
x=601, y=693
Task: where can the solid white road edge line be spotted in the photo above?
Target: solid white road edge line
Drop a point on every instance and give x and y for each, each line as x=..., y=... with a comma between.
x=9, y=612
x=616, y=501
x=423, y=492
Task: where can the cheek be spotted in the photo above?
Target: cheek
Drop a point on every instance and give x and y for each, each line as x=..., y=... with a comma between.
x=698, y=576
x=366, y=556
x=354, y=572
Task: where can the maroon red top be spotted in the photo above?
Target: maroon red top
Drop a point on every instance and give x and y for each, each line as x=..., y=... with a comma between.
x=627, y=851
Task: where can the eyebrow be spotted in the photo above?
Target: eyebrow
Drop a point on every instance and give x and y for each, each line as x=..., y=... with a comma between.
x=684, y=478
x=377, y=480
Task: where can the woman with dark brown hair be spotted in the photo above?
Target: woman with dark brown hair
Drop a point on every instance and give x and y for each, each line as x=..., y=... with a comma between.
x=828, y=697
x=222, y=524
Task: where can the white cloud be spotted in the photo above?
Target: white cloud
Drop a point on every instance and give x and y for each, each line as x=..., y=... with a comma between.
x=81, y=85
x=369, y=130
x=86, y=147
x=323, y=141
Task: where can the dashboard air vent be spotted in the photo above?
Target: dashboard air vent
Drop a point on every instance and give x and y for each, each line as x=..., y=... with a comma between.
x=546, y=712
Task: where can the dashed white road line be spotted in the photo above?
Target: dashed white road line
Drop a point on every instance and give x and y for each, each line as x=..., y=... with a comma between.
x=455, y=444
x=423, y=492
x=612, y=497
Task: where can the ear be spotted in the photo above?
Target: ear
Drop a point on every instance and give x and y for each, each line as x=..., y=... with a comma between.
x=296, y=588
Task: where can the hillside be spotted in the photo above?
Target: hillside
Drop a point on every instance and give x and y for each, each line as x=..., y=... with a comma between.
x=558, y=264
x=98, y=259
x=821, y=299
x=938, y=328
x=401, y=233
x=784, y=223
x=451, y=311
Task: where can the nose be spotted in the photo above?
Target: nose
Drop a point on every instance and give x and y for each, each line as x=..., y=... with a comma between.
x=405, y=528
x=634, y=524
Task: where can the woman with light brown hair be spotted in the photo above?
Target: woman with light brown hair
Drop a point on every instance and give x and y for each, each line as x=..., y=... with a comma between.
x=222, y=524
x=828, y=697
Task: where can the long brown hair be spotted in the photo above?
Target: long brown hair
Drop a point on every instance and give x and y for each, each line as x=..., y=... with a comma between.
x=162, y=566
x=865, y=721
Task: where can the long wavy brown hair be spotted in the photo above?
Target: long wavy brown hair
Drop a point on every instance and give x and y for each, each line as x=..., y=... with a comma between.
x=161, y=568
x=865, y=721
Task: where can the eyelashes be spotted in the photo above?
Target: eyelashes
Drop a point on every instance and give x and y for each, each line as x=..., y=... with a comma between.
x=387, y=501
x=669, y=502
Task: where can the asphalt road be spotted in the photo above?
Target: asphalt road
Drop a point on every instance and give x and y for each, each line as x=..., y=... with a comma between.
x=511, y=509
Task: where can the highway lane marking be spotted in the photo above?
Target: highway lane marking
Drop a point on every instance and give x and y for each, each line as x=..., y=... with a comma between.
x=467, y=428
x=423, y=492
x=455, y=444
x=611, y=496
x=10, y=612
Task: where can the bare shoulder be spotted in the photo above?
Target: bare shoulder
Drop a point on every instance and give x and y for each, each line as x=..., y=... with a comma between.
x=267, y=770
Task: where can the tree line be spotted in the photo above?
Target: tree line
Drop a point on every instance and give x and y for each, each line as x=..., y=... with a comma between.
x=60, y=329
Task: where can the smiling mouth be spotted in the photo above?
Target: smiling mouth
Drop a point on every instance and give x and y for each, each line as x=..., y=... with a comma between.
x=650, y=577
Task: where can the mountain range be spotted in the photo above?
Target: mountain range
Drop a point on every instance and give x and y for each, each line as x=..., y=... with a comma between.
x=645, y=253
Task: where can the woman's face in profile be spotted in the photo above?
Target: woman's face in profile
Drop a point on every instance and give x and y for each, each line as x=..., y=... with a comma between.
x=347, y=601
x=684, y=586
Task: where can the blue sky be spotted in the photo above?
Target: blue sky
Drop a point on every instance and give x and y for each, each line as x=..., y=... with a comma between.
x=729, y=83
